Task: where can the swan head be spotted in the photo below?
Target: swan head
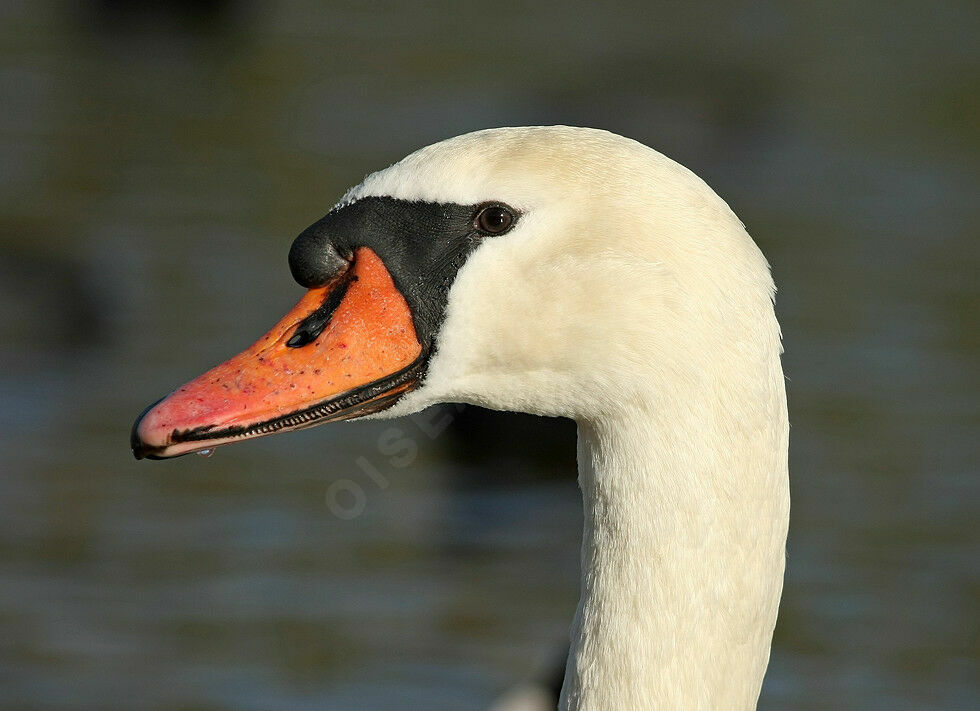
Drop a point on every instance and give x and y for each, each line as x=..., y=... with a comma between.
x=551, y=270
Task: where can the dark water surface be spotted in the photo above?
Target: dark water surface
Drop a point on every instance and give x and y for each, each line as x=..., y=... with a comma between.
x=154, y=167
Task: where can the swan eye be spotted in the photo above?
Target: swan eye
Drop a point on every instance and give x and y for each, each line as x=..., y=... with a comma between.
x=494, y=219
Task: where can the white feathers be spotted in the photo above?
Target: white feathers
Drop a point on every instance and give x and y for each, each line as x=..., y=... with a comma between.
x=630, y=298
x=526, y=697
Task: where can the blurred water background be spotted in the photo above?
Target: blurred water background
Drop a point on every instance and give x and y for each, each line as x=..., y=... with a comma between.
x=156, y=160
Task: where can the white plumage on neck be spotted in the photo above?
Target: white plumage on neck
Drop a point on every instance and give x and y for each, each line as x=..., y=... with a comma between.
x=682, y=562
x=630, y=298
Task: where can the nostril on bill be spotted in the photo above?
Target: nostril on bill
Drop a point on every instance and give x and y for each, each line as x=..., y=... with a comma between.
x=314, y=324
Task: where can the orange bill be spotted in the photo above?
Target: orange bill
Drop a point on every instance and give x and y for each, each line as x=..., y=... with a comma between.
x=345, y=350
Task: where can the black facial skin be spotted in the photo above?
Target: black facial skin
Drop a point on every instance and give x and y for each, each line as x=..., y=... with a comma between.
x=422, y=245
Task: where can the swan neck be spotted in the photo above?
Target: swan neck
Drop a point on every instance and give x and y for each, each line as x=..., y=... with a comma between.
x=682, y=560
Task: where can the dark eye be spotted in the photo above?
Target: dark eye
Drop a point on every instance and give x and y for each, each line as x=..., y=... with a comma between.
x=494, y=219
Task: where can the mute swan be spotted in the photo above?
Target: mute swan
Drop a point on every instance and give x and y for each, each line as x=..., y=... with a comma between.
x=571, y=272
